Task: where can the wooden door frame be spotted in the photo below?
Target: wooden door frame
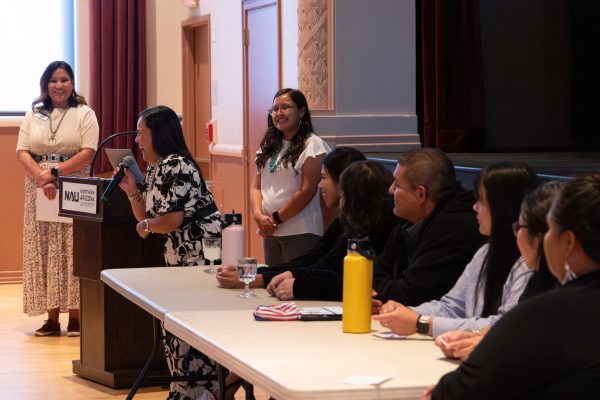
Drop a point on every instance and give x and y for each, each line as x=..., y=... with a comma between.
x=188, y=28
x=250, y=5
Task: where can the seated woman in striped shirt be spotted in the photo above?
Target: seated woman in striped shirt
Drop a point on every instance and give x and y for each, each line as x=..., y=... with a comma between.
x=546, y=347
x=529, y=231
x=494, y=280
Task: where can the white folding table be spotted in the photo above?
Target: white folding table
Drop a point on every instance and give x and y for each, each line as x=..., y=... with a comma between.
x=288, y=359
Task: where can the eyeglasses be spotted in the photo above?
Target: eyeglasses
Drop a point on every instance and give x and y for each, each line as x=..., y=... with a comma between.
x=284, y=108
x=516, y=226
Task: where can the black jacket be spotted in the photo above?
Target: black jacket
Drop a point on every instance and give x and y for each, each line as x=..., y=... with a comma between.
x=312, y=256
x=544, y=348
x=414, y=270
x=319, y=273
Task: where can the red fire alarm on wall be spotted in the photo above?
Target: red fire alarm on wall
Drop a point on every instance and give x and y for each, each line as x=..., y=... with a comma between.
x=211, y=128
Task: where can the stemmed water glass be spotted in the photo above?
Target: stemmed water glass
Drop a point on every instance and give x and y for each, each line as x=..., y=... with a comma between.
x=211, y=248
x=247, y=273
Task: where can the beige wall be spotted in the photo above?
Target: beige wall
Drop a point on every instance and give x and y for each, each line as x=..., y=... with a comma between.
x=163, y=47
x=11, y=207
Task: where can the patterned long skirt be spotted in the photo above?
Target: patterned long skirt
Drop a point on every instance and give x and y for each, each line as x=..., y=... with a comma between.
x=48, y=280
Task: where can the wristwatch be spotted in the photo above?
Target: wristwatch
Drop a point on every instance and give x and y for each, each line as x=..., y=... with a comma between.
x=55, y=172
x=276, y=217
x=145, y=226
x=423, y=324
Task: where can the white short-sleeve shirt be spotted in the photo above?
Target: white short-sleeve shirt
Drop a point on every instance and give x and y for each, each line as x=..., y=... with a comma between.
x=278, y=186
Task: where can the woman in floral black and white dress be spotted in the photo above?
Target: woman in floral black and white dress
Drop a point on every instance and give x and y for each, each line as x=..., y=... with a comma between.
x=175, y=202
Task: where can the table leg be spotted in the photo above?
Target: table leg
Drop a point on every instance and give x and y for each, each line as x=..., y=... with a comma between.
x=144, y=371
x=221, y=380
x=249, y=389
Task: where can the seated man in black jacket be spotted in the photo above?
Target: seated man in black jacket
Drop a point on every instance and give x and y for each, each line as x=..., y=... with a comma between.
x=424, y=257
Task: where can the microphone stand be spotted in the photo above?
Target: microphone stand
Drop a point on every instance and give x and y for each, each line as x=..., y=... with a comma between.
x=114, y=135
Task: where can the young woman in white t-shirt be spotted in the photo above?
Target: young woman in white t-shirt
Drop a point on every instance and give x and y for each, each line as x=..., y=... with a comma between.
x=284, y=196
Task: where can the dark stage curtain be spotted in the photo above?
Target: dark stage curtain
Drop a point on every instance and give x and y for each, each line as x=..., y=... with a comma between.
x=585, y=63
x=452, y=75
x=117, y=70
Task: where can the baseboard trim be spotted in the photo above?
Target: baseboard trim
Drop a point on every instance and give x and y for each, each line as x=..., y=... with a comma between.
x=11, y=276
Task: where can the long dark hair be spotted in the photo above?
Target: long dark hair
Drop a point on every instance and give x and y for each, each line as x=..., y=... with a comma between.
x=505, y=185
x=167, y=135
x=367, y=202
x=43, y=101
x=339, y=159
x=273, y=137
x=534, y=209
x=576, y=209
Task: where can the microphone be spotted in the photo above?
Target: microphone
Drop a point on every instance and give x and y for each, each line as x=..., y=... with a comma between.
x=134, y=168
x=114, y=182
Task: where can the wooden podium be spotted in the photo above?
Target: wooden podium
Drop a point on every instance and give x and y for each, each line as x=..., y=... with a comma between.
x=116, y=335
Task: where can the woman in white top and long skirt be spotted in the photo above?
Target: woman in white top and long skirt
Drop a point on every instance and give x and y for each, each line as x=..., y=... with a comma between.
x=284, y=196
x=57, y=137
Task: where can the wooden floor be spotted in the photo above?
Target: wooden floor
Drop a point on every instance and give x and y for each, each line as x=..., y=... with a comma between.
x=40, y=367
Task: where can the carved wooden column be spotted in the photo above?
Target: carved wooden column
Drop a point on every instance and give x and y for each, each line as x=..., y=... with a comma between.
x=315, y=52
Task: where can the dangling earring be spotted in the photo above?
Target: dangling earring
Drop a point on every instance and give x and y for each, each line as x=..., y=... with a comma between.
x=300, y=122
x=569, y=274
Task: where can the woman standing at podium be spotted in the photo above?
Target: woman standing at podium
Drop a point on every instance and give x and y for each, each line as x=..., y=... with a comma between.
x=174, y=201
x=57, y=137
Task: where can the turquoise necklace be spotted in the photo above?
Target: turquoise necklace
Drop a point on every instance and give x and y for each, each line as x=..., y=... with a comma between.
x=274, y=159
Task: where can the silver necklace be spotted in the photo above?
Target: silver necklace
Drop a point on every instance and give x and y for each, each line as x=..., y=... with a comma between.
x=153, y=175
x=52, y=137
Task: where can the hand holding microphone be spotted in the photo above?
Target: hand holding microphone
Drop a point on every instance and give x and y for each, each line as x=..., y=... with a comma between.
x=114, y=182
x=126, y=177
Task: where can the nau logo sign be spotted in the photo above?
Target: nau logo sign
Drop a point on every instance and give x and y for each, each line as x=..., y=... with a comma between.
x=71, y=196
x=79, y=197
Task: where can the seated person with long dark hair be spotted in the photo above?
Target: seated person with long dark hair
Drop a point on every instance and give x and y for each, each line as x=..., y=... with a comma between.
x=494, y=280
x=529, y=231
x=547, y=346
x=365, y=212
x=333, y=166
x=318, y=273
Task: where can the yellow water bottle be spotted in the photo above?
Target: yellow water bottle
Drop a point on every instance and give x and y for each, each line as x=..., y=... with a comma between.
x=358, y=284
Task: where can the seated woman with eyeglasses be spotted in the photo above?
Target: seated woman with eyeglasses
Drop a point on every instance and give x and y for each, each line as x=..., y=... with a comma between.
x=283, y=196
x=546, y=347
x=529, y=231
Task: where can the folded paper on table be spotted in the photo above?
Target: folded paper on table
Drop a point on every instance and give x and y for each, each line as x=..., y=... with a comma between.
x=291, y=312
x=388, y=335
x=47, y=210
